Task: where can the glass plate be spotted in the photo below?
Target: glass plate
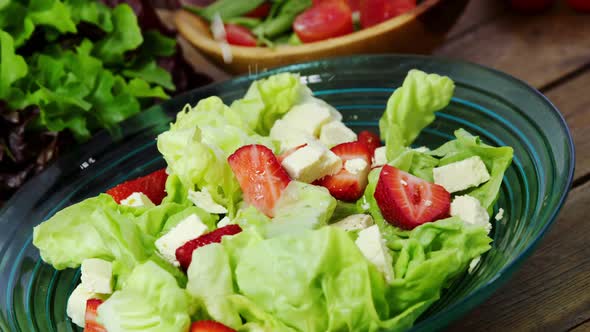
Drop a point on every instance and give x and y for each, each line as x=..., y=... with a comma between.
x=495, y=106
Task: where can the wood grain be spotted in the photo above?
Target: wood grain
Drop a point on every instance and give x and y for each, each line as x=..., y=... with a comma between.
x=552, y=291
x=538, y=49
x=477, y=13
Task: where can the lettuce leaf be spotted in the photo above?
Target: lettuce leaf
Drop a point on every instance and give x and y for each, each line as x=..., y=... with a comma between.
x=93, y=228
x=12, y=66
x=496, y=159
x=150, y=300
x=411, y=108
x=197, y=145
x=126, y=36
x=267, y=100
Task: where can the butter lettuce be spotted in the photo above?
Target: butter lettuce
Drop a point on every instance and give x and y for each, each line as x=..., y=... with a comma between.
x=267, y=100
x=496, y=159
x=411, y=108
x=150, y=300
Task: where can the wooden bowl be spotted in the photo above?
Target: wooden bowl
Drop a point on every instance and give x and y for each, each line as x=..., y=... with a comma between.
x=418, y=31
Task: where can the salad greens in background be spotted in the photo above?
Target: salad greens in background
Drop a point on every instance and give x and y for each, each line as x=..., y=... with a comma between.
x=324, y=281
x=71, y=67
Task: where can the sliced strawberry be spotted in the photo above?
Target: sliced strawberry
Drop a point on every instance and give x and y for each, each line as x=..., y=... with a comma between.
x=346, y=185
x=184, y=254
x=370, y=139
x=289, y=152
x=209, y=326
x=260, y=175
x=407, y=201
x=92, y=324
x=152, y=185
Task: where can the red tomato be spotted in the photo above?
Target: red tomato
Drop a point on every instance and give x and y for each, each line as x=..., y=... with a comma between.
x=531, y=5
x=238, y=35
x=324, y=20
x=580, y=5
x=374, y=12
x=353, y=4
x=260, y=11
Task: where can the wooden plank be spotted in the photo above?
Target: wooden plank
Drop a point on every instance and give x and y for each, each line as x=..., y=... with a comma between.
x=552, y=292
x=477, y=13
x=538, y=48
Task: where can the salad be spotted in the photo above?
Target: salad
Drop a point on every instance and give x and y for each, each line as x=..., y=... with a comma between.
x=273, y=215
x=268, y=23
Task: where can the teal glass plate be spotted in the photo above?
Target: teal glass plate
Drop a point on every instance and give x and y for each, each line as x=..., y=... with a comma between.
x=493, y=105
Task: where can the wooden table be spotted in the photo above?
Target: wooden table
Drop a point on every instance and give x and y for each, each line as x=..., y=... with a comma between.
x=551, y=51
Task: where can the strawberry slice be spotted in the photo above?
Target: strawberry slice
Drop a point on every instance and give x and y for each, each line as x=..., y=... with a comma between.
x=209, y=326
x=261, y=176
x=184, y=254
x=289, y=152
x=152, y=185
x=92, y=324
x=349, y=184
x=370, y=139
x=407, y=201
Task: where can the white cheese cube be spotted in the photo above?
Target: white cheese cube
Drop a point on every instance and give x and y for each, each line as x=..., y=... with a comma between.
x=461, y=175
x=311, y=162
x=380, y=156
x=76, y=307
x=138, y=199
x=190, y=228
x=202, y=199
x=306, y=97
x=289, y=137
x=97, y=275
x=335, y=132
x=224, y=222
x=469, y=209
x=499, y=215
x=373, y=247
x=356, y=166
x=354, y=222
x=308, y=117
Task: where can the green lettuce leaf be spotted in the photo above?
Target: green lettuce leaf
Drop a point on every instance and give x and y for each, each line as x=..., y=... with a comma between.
x=496, y=159
x=93, y=12
x=53, y=13
x=126, y=36
x=150, y=72
x=267, y=100
x=93, y=228
x=411, y=108
x=15, y=21
x=12, y=66
x=210, y=282
x=150, y=300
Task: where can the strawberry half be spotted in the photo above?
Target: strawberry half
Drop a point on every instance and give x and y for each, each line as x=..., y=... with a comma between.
x=289, y=152
x=184, y=254
x=152, y=185
x=209, y=326
x=349, y=184
x=370, y=139
x=407, y=201
x=92, y=324
x=261, y=176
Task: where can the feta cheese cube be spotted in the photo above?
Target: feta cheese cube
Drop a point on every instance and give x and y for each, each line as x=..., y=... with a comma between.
x=356, y=166
x=306, y=97
x=335, y=132
x=289, y=137
x=138, y=199
x=309, y=117
x=202, y=199
x=461, y=175
x=76, y=306
x=499, y=215
x=380, y=156
x=312, y=162
x=189, y=228
x=354, y=222
x=469, y=209
x=97, y=275
x=224, y=222
x=372, y=246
